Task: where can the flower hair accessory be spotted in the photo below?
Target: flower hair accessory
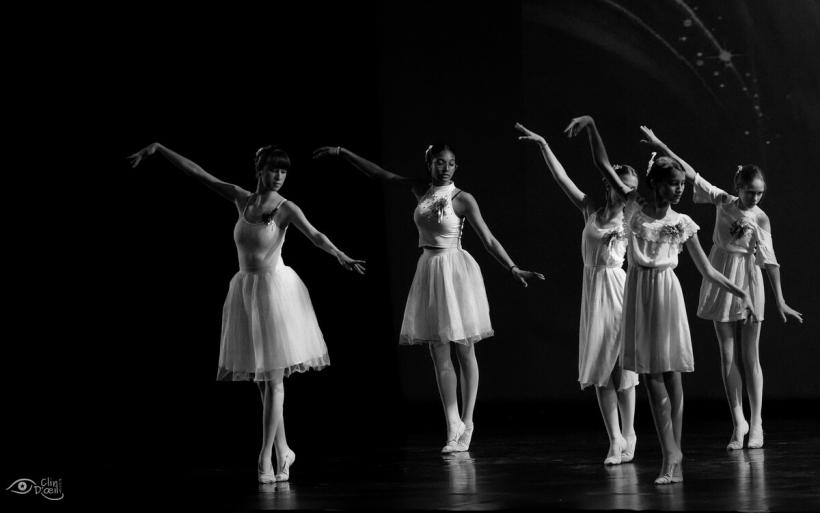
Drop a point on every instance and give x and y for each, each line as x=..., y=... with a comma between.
x=427, y=153
x=651, y=161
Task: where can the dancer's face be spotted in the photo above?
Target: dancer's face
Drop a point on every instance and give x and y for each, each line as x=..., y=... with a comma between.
x=442, y=167
x=272, y=178
x=669, y=189
x=750, y=195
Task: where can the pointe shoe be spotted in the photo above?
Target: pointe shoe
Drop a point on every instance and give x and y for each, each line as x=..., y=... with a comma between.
x=452, y=443
x=463, y=443
x=673, y=475
x=284, y=473
x=265, y=477
x=617, y=458
x=736, y=444
x=756, y=440
x=628, y=454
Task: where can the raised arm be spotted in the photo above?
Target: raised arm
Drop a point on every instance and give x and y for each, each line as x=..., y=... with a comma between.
x=370, y=169
x=651, y=140
x=710, y=273
x=575, y=195
x=773, y=271
x=466, y=205
x=599, y=155
x=293, y=214
x=227, y=190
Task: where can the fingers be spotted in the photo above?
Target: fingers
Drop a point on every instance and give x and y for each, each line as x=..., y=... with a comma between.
x=540, y=276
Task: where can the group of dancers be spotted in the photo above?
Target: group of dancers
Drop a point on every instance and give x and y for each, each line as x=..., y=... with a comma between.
x=632, y=323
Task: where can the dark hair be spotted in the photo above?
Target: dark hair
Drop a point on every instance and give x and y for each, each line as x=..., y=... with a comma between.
x=271, y=156
x=662, y=167
x=435, y=149
x=745, y=175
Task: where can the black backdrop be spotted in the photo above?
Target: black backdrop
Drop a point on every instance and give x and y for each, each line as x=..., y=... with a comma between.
x=117, y=276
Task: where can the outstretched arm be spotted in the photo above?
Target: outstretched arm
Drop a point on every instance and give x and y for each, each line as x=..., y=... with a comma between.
x=468, y=207
x=599, y=155
x=226, y=190
x=370, y=169
x=651, y=140
x=773, y=271
x=294, y=214
x=710, y=273
x=575, y=195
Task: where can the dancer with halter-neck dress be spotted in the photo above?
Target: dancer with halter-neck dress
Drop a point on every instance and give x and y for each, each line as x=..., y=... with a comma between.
x=269, y=328
x=447, y=303
x=603, y=247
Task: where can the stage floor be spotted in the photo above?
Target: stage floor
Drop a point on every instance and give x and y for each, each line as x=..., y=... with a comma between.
x=513, y=464
x=522, y=469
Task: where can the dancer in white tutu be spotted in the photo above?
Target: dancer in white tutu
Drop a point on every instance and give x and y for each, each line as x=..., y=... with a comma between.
x=603, y=246
x=654, y=331
x=447, y=304
x=269, y=329
x=742, y=245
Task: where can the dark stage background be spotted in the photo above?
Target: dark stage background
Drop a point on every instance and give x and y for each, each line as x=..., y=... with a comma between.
x=119, y=275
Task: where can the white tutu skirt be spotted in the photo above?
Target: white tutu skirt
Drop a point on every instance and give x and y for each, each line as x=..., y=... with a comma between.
x=269, y=327
x=447, y=300
x=717, y=304
x=599, y=346
x=654, y=329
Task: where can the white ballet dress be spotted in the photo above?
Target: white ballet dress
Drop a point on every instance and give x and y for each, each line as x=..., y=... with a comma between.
x=268, y=323
x=740, y=248
x=599, y=350
x=654, y=328
x=447, y=301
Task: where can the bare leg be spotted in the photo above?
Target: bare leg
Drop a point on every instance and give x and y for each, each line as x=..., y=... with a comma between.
x=674, y=387
x=626, y=406
x=446, y=380
x=273, y=420
x=608, y=403
x=750, y=341
x=662, y=415
x=468, y=368
x=732, y=382
x=279, y=439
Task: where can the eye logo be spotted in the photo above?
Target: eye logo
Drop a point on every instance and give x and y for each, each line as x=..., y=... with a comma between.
x=22, y=486
x=51, y=489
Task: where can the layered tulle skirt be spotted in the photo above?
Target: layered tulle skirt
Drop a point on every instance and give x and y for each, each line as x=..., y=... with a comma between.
x=599, y=346
x=447, y=301
x=269, y=327
x=718, y=304
x=655, y=330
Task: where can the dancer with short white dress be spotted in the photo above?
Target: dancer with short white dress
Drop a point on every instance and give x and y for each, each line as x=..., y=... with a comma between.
x=447, y=304
x=269, y=328
x=603, y=246
x=654, y=333
x=742, y=244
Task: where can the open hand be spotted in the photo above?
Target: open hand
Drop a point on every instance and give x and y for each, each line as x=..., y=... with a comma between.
x=577, y=125
x=137, y=157
x=529, y=135
x=650, y=139
x=785, y=310
x=327, y=151
x=524, y=276
x=350, y=264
